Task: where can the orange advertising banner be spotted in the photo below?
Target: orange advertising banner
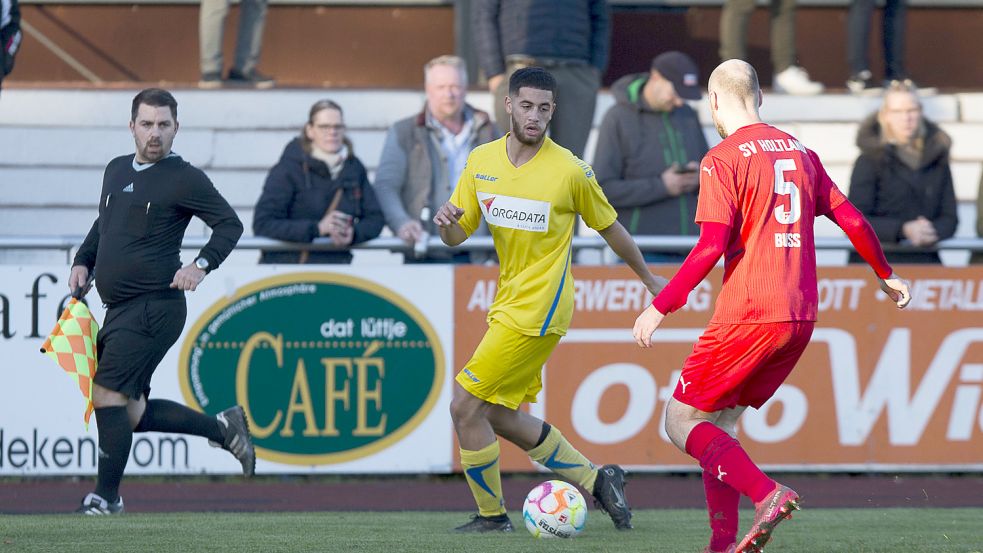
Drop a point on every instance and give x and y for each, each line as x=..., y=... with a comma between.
x=877, y=388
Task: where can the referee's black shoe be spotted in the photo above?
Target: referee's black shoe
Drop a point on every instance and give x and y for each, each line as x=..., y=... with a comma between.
x=237, y=441
x=609, y=495
x=94, y=504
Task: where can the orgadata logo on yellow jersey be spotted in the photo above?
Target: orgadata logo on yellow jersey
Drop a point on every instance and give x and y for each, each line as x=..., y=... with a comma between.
x=515, y=213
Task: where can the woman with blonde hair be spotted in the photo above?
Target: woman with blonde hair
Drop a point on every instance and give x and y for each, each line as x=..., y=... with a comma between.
x=318, y=188
x=902, y=181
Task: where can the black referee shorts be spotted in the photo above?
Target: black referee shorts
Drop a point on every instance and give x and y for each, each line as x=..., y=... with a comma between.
x=134, y=338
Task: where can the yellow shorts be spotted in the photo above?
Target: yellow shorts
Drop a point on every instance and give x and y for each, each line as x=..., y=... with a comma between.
x=507, y=367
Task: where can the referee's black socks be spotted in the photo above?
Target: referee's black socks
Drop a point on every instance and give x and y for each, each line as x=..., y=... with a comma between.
x=115, y=438
x=163, y=415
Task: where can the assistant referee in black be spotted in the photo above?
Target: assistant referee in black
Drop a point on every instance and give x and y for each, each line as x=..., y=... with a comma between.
x=147, y=201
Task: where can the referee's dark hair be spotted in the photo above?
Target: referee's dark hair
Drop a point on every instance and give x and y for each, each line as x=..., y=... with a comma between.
x=154, y=97
x=532, y=77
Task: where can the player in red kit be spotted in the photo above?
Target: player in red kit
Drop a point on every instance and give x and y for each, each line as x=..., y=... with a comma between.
x=760, y=192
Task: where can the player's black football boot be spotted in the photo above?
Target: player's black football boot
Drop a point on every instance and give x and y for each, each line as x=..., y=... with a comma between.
x=609, y=495
x=500, y=523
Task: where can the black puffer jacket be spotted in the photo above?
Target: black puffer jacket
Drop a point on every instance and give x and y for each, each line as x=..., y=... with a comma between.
x=297, y=193
x=890, y=193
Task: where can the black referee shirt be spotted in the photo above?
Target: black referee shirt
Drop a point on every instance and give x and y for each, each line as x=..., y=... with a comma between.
x=135, y=243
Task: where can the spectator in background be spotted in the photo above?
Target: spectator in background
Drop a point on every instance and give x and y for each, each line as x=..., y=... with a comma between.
x=569, y=38
x=648, y=151
x=789, y=78
x=858, y=38
x=10, y=36
x=902, y=182
x=424, y=155
x=318, y=188
x=249, y=42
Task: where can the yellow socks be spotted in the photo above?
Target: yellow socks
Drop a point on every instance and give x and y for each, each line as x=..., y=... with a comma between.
x=556, y=454
x=485, y=479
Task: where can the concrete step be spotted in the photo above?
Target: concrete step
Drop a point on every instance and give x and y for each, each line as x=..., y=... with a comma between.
x=93, y=147
x=247, y=129
x=286, y=108
x=38, y=187
x=55, y=143
x=207, y=109
x=971, y=107
x=242, y=149
x=76, y=221
x=32, y=186
x=29, y=146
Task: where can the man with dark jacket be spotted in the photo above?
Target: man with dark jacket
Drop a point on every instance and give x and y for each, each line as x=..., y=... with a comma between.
x=10, y=36
x=424, y=155
x=648, y=151
x=147, y=201
x=569, y=38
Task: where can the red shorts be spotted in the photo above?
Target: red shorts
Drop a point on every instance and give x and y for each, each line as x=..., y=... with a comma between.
x=740, y=364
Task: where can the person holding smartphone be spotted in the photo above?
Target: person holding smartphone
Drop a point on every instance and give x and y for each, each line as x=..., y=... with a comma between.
x=648, y=149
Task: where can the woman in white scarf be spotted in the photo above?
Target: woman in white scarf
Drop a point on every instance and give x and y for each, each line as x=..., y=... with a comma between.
x=318, y=189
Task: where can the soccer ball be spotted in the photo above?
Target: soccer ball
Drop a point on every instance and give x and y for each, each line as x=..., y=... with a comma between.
x=554, y=509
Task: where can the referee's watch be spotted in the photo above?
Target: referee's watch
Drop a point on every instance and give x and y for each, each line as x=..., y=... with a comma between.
x=202, y=264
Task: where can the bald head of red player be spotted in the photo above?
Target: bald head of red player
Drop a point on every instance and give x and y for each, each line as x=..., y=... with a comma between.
x=734, y=95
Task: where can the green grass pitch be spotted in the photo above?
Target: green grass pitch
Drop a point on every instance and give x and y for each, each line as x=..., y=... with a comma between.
x=670, y=531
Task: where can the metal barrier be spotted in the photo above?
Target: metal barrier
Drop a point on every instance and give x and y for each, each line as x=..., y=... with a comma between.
x=682, y=244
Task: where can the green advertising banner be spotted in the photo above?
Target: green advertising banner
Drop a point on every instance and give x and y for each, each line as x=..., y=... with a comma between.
x=329, y=367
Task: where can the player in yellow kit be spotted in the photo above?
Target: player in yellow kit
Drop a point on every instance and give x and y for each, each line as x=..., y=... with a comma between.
x=529, y=190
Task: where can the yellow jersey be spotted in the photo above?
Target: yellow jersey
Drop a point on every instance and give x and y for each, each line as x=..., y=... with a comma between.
x=532, y=214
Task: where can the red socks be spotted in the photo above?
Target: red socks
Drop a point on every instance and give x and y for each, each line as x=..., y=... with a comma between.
x=725, y=460
x=722, y=504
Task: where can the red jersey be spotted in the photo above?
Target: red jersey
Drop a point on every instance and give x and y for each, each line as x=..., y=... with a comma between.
x=769, y=189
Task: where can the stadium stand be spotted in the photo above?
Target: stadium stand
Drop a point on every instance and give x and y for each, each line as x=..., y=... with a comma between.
x=55, y=140
x=55, y=144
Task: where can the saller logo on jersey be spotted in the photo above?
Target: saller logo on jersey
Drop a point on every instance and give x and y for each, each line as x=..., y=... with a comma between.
x=515, y=213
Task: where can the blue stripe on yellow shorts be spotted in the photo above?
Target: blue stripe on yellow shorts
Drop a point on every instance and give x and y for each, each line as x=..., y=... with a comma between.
x=507, y=367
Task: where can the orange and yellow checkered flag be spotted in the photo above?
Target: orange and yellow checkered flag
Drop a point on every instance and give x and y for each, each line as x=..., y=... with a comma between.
x=72, y=344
